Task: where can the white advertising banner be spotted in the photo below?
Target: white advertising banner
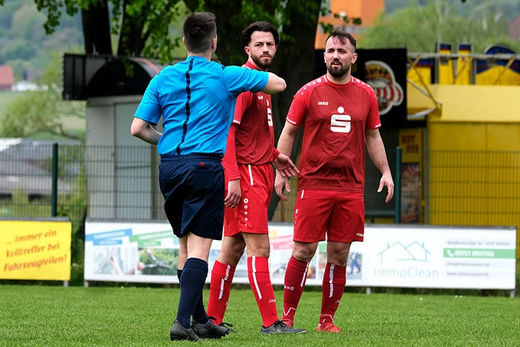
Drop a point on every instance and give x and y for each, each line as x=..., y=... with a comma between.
x=391, y=256
x=441, y=257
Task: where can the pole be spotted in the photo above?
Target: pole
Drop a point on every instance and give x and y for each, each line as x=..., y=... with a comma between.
x=54, y=191
x=397, y=189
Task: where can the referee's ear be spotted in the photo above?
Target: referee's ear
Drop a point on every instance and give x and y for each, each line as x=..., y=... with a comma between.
x=213, y=44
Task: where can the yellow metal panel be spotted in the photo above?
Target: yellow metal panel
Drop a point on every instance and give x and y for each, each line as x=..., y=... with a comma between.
x=505, y=77
x=463, y=76
x=445, y=67
x=417, y=101
x=504, y=137
x=457, y=184
x=425, y=72
x=487, y=104
x=457, y=137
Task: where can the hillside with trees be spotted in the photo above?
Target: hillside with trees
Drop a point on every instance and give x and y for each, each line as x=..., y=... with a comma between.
x=422, y=24
x=23, y=42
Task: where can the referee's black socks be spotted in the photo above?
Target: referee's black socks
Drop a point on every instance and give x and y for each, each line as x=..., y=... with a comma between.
x=192, y=279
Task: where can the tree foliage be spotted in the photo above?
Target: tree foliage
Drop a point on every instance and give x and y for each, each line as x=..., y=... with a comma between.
x=419, y=28
x=141, y=27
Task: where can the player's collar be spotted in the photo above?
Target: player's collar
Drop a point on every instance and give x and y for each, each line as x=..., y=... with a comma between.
x=251, y=66
x=336, y=84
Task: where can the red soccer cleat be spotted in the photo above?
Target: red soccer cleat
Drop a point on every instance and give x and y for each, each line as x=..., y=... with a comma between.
x=328, y=327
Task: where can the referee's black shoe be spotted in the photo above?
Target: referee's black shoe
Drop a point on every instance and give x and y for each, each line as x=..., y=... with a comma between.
x=178, y=332
x=280, y=327
x=210, y=330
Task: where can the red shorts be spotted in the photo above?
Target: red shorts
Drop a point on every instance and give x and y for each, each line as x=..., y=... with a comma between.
x=250, y=216
x=338, y=215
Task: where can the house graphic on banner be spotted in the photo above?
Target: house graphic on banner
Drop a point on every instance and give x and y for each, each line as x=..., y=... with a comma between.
x=415, y=251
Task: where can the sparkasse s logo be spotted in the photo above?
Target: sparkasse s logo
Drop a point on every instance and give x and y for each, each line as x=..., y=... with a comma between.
x=381, y=78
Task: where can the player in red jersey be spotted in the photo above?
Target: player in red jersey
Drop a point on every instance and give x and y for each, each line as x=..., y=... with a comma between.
x=340, y=115
x=250, y=179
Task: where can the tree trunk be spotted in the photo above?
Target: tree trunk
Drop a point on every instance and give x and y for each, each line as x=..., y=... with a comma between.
x=131, y=38
x=96, y=29
x=296, y=66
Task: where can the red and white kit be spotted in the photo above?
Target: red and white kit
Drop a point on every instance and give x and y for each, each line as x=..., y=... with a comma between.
x=250, y=151
x=331, y=183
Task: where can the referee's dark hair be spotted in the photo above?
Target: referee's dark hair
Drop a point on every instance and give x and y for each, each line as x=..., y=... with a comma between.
x=199, y=29
x=342, y=36
x=259, y=26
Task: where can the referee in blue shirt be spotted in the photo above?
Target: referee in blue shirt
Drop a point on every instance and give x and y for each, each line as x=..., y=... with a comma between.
x=196, y=99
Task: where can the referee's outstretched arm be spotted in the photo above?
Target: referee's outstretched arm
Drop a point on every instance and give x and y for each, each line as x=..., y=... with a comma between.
x=275, y=84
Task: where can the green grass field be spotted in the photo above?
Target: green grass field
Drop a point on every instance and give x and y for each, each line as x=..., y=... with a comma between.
x=56, y=316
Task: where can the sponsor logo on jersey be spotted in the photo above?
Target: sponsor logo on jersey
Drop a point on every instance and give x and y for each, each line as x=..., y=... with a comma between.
x=323, y=103
x=381, y=78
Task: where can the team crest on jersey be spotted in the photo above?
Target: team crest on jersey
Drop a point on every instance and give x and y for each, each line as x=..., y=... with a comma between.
x=381, y=78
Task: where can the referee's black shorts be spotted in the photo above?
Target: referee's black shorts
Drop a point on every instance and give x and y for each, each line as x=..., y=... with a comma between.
x=193, y=190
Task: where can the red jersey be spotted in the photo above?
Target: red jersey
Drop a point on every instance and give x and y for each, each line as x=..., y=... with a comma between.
x=252, y=132
x=335, y=118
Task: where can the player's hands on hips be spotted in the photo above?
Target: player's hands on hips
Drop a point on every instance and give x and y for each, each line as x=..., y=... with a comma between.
x=388, y=182
x=234, y=194
x=279, y=183
x=285, y=166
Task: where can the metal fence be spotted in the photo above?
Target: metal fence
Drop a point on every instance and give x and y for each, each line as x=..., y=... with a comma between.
x=37, y=180
x=448, y=188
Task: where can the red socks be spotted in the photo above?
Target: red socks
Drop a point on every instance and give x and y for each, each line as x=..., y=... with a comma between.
x=260, y=281
x=334, y=280
x=221, y=278
x=295, y=277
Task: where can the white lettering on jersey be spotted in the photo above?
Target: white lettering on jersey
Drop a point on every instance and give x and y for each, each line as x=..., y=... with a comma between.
x=323, y=103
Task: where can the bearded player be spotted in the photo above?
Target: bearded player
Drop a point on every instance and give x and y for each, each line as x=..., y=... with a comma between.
x=250, y=178
x=340, y=116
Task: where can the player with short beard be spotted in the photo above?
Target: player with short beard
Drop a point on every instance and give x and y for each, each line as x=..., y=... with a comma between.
x=249, y=179
x=340, y=115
